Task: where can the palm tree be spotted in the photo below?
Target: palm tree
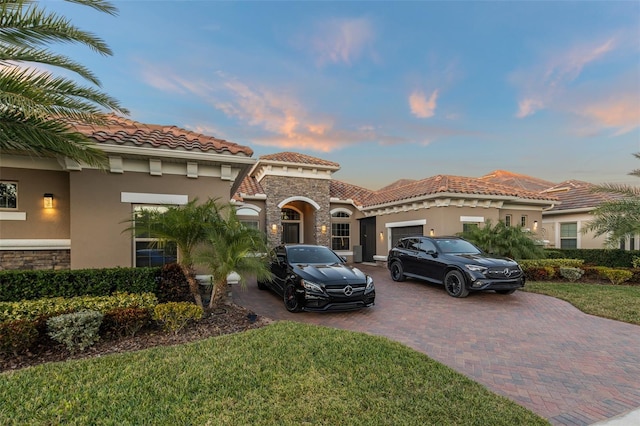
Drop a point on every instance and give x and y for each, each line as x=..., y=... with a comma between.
x=37, y=108
x=502, y=240
x=619, y=217
x=188, y=226
x=233, y=247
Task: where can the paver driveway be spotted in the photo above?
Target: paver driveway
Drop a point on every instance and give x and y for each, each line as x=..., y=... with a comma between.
x=541, y=352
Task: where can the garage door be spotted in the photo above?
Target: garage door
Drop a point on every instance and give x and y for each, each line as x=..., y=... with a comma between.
x=404, y=231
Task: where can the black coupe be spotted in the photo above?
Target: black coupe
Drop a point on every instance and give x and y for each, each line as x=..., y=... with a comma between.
x=315, y=278
x=454, y=262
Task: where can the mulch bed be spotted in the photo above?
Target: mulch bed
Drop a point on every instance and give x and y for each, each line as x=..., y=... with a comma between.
x=226, y=319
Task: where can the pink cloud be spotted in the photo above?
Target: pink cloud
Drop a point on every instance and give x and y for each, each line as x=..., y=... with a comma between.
x=621, y=113
x=543, y=85
x=421, y=106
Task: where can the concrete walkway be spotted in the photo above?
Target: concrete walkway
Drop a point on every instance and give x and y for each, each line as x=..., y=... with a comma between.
x=541, y=352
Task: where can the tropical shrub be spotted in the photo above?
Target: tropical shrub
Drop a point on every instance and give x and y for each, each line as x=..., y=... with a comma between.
x=77, y=330
x=173, y=286
x=502, y=240
x=554, y=263
x=125, y=321
x=174, y=316
x=572, y=274
x=17, y=336
x=616, y=276
x=48, y=307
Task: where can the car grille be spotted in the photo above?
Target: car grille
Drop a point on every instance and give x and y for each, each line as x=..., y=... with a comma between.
x=505, y=273
x=337, y=290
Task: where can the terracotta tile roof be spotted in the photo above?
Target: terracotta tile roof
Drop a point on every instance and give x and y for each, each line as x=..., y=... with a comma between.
x=450, y=184
x=516, y=180
x=122, y=131
x=345, y=191
x=400, y=182
x=248, y=186
x=575, y=194
x=296, y=158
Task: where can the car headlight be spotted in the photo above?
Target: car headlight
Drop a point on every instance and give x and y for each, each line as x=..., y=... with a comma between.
x=310, y=286
x=369, y=284
x=476, y=268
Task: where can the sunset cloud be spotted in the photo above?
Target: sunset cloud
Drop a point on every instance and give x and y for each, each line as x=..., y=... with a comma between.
x=422, y=107
x=542, y=85
x=342, y=40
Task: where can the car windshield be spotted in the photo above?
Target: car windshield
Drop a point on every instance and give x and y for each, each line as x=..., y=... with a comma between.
x=319, y=255
x=456, y=246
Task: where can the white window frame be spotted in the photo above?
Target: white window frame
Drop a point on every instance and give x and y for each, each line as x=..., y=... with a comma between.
x=136, y=239
x=15, y=184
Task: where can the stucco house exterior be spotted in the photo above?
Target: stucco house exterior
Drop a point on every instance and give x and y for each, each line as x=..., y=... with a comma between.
x=55, y=213
x=563, y=223
x=296, y=199
x=83, y=225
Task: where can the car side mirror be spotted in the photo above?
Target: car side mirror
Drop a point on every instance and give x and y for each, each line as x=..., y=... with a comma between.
x=433, y=253
x=344, y=259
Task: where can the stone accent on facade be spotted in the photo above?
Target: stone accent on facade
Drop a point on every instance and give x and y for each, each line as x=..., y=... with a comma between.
x=280, y=188
x=35, y=259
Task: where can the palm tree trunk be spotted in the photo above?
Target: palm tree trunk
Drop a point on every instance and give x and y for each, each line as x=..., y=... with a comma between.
x=193, y=283
x=217, y=294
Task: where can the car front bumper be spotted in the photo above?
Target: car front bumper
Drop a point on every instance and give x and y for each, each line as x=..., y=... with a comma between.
x=476, y=283
x=321, y=303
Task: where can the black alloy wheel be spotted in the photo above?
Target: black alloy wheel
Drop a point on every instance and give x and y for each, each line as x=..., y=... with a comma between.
x=455, y=284
x=291, y=299
x=397, y=274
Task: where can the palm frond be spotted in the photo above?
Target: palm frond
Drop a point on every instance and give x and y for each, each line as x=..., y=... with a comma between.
x=27, y=25
x=46, y=138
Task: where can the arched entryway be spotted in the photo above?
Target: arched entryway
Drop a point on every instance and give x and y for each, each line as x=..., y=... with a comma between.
x=292, y=225
x=300, y=223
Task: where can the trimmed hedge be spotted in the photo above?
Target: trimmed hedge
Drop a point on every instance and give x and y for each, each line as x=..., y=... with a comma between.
x=31, y=285
x=48, y=307
x=613, y=258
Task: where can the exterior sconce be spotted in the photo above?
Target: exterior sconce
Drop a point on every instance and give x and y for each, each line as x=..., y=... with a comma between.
x=432, y=232
x=274, y=228
x=381, y=236
x=323, y=229
x=535, y=225
x=48, y=201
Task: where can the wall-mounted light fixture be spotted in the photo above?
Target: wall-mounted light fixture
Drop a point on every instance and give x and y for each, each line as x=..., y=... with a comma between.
x=432, y=232
x=274, y=228
x=381, y=236
x=323, y=229
x=535, y=225
x=48, y=201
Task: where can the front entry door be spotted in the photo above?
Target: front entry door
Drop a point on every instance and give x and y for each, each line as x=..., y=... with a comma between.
x=368, y=238
x=290, y=233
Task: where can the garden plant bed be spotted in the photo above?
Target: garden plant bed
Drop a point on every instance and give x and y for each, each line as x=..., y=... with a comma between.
x=226, y=319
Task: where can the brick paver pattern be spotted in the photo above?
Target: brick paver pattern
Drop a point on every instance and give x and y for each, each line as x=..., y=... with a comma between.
x=541, y=352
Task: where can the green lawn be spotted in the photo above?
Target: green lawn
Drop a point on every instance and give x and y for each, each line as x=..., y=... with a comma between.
x=282, y=374
x=620, y=302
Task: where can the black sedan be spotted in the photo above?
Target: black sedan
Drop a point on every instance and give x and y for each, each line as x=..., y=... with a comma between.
x=454, y=262
x=315, y=278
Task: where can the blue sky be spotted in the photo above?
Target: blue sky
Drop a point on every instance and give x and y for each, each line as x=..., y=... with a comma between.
x=389, y=90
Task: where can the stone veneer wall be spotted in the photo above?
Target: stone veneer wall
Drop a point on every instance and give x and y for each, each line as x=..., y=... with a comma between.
x=279, y=188
x=35, y=259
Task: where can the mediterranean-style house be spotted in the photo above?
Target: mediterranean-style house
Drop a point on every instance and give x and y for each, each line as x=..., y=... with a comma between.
x=58, y=214
x=563, y=223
